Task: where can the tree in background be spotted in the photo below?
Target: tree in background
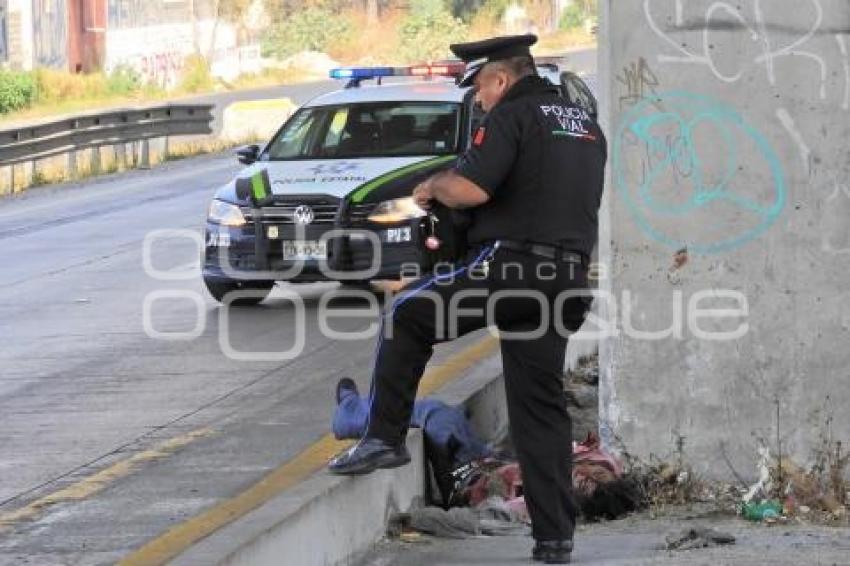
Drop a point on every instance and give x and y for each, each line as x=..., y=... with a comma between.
x=310, y=29
x=235, y=12
x=428, y=30
x=399, y=31
x=576, y=13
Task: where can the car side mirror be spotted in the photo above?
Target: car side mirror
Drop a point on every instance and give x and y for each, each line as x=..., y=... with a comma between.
x=248, y=154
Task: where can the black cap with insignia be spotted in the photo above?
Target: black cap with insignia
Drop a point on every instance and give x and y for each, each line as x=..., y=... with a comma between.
x=476, y=54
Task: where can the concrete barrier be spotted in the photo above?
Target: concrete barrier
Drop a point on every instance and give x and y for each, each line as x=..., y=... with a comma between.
x=725, y=229
x=335, y=520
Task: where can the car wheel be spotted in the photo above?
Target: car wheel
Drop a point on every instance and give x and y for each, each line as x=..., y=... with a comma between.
x=219, y=289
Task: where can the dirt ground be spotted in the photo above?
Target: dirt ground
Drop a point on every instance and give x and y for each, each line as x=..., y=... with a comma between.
x=638, y=539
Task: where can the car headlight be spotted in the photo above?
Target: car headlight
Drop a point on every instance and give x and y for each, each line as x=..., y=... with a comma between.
x=396, y=210
x=225, y=214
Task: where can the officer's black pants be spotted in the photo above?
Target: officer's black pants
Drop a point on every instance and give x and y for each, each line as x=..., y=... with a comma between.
x=431, y=310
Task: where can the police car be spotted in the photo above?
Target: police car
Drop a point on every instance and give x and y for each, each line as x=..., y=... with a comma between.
x=328, y=197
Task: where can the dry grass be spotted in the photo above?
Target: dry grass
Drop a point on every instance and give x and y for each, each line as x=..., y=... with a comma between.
x=819, y=493
x=61, y=92
x=75, y=106
x=55, y=170
x=194, y=149
x=375, y=43
x=378, y=43
x=563, y=40
x=71, y=93
x=268, y=77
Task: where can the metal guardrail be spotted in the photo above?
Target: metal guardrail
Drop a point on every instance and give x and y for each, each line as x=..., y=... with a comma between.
x=114, y=127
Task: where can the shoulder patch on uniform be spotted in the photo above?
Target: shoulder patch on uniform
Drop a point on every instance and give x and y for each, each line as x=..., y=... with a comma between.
x=479, y=136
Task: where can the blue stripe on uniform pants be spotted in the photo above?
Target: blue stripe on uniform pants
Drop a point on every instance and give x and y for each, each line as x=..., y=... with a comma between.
x=401, y=300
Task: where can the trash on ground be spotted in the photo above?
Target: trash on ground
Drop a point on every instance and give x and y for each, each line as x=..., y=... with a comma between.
x=786, y=491
x=697, y=537
x=458, y=522
x=766, y=510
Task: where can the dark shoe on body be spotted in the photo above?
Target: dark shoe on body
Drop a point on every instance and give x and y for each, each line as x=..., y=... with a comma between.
x=368, y=455
x=552, y=551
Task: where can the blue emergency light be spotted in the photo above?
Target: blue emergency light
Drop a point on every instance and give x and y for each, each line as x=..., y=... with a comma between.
x=362, y=73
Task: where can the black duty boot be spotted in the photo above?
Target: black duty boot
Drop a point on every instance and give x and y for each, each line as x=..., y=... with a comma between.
x=368, y=455
x=552, y=551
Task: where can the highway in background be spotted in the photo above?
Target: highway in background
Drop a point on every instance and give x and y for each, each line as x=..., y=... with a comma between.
x=110, y=435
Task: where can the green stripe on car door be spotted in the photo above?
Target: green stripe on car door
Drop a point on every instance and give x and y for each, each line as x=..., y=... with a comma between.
x=361, y=192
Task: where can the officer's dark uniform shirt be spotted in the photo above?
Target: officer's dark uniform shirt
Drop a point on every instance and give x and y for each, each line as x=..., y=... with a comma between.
x=542, y=160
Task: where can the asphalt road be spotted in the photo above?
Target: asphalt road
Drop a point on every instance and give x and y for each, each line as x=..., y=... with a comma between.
x=110, y=431
x=581, y=61
x=299, y=94
x=83, y=385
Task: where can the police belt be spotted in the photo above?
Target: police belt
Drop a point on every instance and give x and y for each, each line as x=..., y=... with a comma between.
x=545, y=251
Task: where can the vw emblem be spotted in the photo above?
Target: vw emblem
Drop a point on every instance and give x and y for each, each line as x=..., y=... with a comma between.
x=303, y=215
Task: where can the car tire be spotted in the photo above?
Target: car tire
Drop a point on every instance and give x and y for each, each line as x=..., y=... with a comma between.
x=219, y=288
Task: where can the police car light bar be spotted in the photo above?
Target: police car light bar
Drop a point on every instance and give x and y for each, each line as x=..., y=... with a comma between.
x=357, y=74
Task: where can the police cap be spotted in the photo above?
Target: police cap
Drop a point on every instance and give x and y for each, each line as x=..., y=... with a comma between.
x=476, y=54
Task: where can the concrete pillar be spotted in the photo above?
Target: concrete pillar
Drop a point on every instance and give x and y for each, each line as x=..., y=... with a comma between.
x=727, y=125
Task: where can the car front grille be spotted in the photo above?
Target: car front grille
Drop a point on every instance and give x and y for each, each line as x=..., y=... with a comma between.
x=282, y=209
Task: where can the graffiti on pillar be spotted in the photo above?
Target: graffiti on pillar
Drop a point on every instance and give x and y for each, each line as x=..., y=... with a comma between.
x=684, y=167
x=638, y=82
x=50, y=33
x=770, y=45
x=835, y=232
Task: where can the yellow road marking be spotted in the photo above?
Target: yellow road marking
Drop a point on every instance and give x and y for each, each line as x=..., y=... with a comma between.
x=263, y=104
x=177, y=539
x=435, y=378
x=96, y=482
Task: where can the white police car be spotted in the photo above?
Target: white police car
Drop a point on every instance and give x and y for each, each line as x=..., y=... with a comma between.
x=328, y=198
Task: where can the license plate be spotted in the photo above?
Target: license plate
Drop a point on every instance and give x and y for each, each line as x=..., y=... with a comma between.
x=304, y=249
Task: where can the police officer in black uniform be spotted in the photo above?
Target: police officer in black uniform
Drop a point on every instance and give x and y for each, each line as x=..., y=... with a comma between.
x=532, y=181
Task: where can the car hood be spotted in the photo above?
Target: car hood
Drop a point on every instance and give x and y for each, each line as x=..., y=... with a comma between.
x=336, y=177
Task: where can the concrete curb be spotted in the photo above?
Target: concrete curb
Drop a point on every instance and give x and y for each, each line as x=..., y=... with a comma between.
x=335, y=520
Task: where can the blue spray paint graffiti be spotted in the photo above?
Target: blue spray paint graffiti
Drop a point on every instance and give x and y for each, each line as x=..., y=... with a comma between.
x=681, y=171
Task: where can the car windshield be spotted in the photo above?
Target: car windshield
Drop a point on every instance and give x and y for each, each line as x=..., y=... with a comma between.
x=386, y=129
